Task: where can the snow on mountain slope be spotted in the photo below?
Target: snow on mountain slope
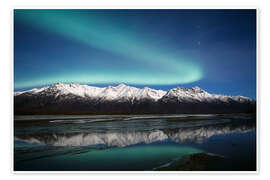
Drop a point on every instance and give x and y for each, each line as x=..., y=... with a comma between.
x=197, y=94
x=32, y=91
x=120, y=92
x=123, y=92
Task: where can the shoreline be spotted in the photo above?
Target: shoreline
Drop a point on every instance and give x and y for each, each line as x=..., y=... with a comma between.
x=171, y=117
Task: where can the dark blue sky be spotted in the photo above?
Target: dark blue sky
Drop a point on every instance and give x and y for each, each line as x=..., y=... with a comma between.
x=213, y=49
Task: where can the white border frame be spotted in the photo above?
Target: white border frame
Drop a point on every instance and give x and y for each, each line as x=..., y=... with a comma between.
x=137, y=172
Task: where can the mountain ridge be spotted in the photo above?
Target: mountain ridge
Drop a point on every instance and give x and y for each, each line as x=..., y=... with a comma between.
x=127, y=99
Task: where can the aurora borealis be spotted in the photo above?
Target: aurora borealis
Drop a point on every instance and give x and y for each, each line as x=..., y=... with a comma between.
x=215, y=49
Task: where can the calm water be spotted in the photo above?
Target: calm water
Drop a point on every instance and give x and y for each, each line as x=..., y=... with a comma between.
x=134, y=142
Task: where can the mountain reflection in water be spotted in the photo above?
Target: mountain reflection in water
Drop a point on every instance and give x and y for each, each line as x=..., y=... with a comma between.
x=122, y=139
x=36, y=139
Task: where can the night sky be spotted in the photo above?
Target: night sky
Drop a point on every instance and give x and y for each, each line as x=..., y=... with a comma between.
x=161, y=49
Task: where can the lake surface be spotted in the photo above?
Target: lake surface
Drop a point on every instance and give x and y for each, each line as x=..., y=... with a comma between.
x=132, y=142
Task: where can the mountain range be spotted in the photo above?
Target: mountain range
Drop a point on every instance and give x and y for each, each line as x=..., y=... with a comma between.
x=72, y=98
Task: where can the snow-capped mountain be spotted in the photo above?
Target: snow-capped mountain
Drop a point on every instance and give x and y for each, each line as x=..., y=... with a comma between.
x=197, y=94
x=121, y=92
x=63, y=98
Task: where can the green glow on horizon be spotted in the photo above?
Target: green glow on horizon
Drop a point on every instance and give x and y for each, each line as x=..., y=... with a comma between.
x=165, y=67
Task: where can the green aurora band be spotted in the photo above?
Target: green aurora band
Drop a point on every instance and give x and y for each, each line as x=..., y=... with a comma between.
x=150, y=64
